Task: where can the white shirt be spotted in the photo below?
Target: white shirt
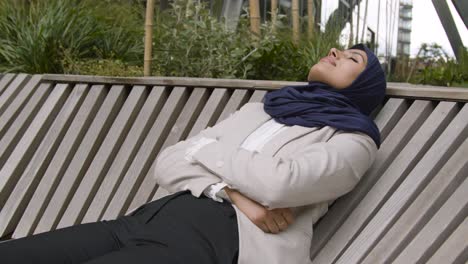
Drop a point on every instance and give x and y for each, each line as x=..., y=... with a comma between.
x=254, y=142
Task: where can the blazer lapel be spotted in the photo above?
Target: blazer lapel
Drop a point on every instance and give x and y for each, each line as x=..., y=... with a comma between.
x=254, y=117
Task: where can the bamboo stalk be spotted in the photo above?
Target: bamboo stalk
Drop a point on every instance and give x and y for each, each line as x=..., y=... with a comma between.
x=364, y=22
x=254, y=8
x=274, y=13
x=148, y=37
x=310, y=18
x=295, y=17
x=358, y=20
x=351, y=27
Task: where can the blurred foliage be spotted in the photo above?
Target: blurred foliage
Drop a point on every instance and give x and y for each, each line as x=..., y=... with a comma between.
x=106, y=38
x=433, y=66
x=41, y=36
x=190, y=42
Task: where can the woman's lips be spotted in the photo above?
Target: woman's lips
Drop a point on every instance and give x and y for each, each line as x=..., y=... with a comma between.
x=329, y=59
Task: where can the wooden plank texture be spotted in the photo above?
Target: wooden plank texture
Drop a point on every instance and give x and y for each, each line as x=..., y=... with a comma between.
x=17, y=104
x=423, y=208
x=102, y=160
x=81, y=160
x=438, y=228
x=127, y=153
x=24, y=189
x=452, y=136
x=147, y=153
x=12, y=90
x=178, y=132
x=5, y=80
x=454, y=249
x=401, y=90
x=345, y=212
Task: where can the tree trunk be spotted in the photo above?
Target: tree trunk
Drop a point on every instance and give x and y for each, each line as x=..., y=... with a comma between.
x=357, y=22
x=364, y=22
x=295, y=17
x=351, y=30
x=254, y=8
x=274, y=13
x=148, y=37
x=310, y=18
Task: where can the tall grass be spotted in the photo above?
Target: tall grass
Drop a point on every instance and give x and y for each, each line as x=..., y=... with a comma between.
x=106, y=38
x=49, y=36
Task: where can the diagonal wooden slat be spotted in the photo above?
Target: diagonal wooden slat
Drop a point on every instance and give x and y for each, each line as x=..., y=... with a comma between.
x=21, y=122
x=425, y=169
x=454, y=211
x=5, y=80
x=25, y=148
x=257, y=96
x=127, y=153
x=147, y=153
x=60, y=162
x=17, y=104
x=455, y=248
x=389, y=115
x=82, y=159
x=103, y=159
x=178, y=132
x=342, y=209
x=211, y=112
x=238, y=99
x=24, y=189
x=12, y=90
x=422, y=209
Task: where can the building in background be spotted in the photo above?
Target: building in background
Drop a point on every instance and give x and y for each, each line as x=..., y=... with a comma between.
x=404, y=28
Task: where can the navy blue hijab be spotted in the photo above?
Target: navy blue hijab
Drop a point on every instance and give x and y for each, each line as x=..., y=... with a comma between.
x=318, y=104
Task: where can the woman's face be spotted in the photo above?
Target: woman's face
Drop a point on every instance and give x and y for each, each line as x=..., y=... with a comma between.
x=340, y=68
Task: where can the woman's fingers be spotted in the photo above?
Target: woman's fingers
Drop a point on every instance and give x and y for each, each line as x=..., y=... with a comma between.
x=272, y=226
x=288, y=215
x=280, y=220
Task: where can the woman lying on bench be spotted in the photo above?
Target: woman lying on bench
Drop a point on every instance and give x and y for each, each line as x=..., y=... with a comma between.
x=247, y=190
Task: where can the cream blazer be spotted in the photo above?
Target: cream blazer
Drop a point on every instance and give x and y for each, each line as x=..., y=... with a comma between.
x=302, y=168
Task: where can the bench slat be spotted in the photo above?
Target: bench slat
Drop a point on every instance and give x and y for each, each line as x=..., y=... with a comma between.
x=438, y=228
x=211, y=111
x=178, y=132
x=423, y=208
x=334, y=237
x=5, y=80
x=105, y=156
x=426, y=168
x=12, y=90
x=19, y=143
x=147, y=153
x=27, y=184
x=237, y=100
x=146, y=117
x=18, y=103
x=81, y=160
x=455, y=248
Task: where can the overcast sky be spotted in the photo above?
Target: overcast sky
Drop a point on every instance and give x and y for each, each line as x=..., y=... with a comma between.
x=426, y=27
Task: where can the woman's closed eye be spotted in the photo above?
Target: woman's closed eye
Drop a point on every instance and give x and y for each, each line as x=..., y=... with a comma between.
x=356, y=61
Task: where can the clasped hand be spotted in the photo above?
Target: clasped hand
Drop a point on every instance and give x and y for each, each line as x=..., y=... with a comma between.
x=270, y=221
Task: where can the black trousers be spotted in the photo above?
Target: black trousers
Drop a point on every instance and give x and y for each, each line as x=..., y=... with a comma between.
x=178, y=228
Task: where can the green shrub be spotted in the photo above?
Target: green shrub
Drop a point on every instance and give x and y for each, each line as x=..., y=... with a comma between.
x=36, y=37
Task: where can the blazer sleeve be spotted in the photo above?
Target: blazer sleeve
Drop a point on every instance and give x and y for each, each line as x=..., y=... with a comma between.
x=175, y=171
x=319, y=172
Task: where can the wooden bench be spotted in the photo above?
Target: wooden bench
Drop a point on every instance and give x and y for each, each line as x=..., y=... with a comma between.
x=77, y=149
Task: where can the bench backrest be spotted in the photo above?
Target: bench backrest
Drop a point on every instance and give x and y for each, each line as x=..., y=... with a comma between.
x=77, y=149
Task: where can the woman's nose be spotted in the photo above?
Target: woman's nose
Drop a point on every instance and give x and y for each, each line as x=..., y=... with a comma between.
x=334, y=52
